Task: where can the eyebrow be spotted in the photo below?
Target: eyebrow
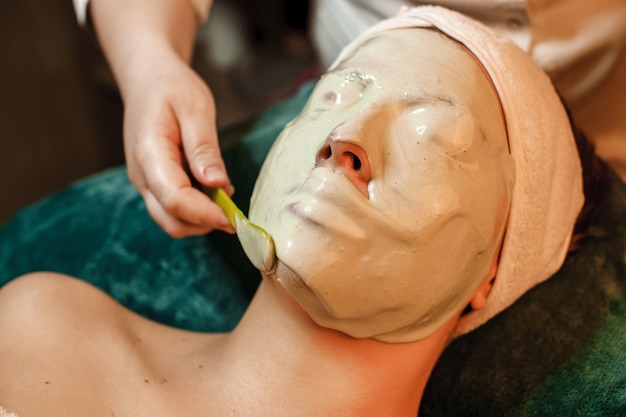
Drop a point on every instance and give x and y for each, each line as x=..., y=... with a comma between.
x=425, y=97
x=408, y=100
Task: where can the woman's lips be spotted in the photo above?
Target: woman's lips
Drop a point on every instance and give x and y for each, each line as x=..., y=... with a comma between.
x=287, y=277
x=330, y=202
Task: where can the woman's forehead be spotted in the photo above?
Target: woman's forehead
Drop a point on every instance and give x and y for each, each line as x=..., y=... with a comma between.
x=412, y=53
x=415, y=41
x=418, y=64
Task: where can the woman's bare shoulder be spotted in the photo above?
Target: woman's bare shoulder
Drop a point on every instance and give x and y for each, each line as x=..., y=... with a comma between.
x=48, y=304
x=57, y=334
x=64, y=341
x=47, y=314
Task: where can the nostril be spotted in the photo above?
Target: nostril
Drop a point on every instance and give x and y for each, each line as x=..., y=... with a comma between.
x=325, y=153
x=347, y=158
x=356, y=162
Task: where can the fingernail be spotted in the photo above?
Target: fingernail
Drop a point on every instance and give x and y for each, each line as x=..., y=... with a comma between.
x=213, y=174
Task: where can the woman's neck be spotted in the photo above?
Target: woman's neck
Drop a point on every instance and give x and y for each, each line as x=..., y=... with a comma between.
x=279, y=360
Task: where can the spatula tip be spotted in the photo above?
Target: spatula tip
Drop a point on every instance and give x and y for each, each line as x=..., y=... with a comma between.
x=257, y=244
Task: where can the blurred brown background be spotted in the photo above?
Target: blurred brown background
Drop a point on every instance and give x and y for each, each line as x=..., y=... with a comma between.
x=61, y=115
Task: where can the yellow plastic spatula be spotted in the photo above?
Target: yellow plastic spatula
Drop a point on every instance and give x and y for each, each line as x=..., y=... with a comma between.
x=256, y=242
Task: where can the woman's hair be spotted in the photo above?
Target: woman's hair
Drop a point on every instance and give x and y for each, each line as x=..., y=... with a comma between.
x=595, y=182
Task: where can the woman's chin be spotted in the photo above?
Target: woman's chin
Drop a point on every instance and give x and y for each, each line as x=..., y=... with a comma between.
x=291, y=282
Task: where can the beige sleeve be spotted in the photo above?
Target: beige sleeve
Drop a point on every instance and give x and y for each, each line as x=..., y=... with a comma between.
x=582, y=46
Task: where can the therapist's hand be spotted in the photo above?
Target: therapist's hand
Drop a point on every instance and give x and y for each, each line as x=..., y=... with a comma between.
x=169, y=136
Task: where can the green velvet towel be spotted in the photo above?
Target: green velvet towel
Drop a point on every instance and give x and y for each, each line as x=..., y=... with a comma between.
x=559, y=351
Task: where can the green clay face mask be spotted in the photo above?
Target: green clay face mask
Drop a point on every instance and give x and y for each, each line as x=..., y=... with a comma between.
x=397, y=257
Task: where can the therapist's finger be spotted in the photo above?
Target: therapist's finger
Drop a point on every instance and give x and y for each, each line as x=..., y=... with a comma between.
x=201, y=146
x=176, y=199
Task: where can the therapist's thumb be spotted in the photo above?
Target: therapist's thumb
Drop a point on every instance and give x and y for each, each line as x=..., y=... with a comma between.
x=207, y=166
x=205, y=158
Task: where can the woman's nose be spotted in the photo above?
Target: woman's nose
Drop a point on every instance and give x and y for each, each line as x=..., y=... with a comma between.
x=348, y=158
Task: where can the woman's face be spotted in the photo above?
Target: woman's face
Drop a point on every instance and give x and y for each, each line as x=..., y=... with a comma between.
x=387, y=196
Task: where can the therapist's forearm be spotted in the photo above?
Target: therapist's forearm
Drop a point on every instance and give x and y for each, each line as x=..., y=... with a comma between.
x=136, y=35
